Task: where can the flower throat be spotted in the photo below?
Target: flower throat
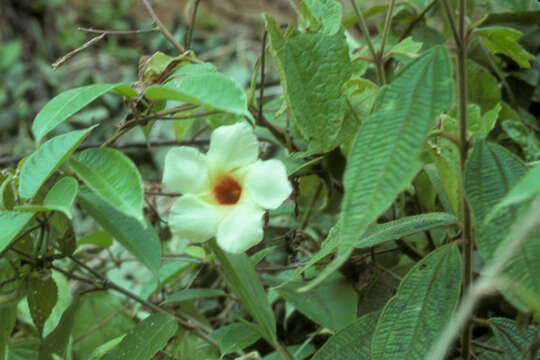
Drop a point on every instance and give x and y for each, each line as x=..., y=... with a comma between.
x=227, y=191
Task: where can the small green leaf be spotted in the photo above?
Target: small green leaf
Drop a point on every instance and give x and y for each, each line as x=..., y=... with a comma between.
x=323, y=16
x=213, y=90
x=46, y=159
x=515, y=340
x=141, y=241
x=114, y=177
x=99, y=237
x=407, y=47
x=425, y=301
x=12, y=223
x=59, y=198
x=66, y=104
x=504, y=40
x=234, y=337
x=480, y=125
x=145, y=339
x=352, y=342
x=393, y=230
x=193, y=294
x=244, y=282
x=483, y=89
x=332, y=304
x=42, y=295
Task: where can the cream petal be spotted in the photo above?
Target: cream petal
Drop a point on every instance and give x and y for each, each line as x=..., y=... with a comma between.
x=267, y=184
x=241, y=229
x=232, y=146
x=193, y=219
x=185, y=170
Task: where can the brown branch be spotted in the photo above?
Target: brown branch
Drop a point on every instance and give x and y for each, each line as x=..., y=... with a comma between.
x=192, y=24
x=117, y=32
x=61, y=61
x=161, y=27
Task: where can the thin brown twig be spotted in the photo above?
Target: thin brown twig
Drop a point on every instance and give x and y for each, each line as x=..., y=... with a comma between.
x=117, y=32
x=61, y=61
x=192, y=25
x=161, y=27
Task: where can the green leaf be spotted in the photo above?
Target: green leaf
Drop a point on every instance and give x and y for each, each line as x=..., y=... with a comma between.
x=193, y=294
x=406, y=47
x=12, y=223
x=483, y=88
x=332, y=304
x=490, y=172
x=234, y=337
x=42, y=295
x=59, y=198
x=57, y=341
x=46, y=159
x=352, y=342
x=305, y=62
x=396, y=229
x=383, y=159
x=213, y=90
x=299, y=352
x=8, y=314
x=99, y=238
x=513, y=339
x=426, y=298
x=66, y=104
x=244, y=282
x=520, y=6
x=98, y=310
x=480, y=125
x=24, y=349
x=323, y=16
x=504, y=40
x=145, y=339
x=114, y=177
x=141, y=241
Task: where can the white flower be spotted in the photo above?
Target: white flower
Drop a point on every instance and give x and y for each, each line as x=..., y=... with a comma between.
x=226, y=191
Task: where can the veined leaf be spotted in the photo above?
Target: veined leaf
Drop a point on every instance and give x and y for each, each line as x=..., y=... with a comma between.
x=59, y=198
x=244, y=282
x=323, y=16
x=423, y=305
x=352, y=342
x=491, y=171
x=393, y=230
x=214, y=90
x=504, y=40
x=305, y=63
x=383, y=158
x=141, y=241
x=66, y=104
x=234, y=337
x=46, y=159
x=114, y=177
x=12, y=223
x=407, y=47
x=332, y=304
x=513, y=339
x=193, y=294
x=483, y=88
x=145, y=339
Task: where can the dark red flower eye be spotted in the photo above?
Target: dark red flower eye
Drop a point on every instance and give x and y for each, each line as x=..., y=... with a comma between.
x=227, y=191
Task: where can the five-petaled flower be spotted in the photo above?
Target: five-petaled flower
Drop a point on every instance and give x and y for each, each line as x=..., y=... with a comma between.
x=226, y=191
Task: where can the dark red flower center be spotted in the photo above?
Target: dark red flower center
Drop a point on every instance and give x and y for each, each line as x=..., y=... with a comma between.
x=227, y=191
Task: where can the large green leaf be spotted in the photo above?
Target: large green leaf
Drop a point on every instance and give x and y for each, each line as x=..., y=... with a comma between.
x=12, y=223
x=234, y=337
x=352, y=342
x=46, y=159
x=393, y=230
x=426, y=298
x=42, y=297
x=113, y=176
x=491, y=171
x=504, y=40
x=66, y=104
x=323, y=16
x=332, y=304
x=213, y=90
x=512, y=338
x=305, y=63
x=384, y=154
x=141, y=241
x=59, y=198
x=57, y=341
x=145, y=339
x=244, y=282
